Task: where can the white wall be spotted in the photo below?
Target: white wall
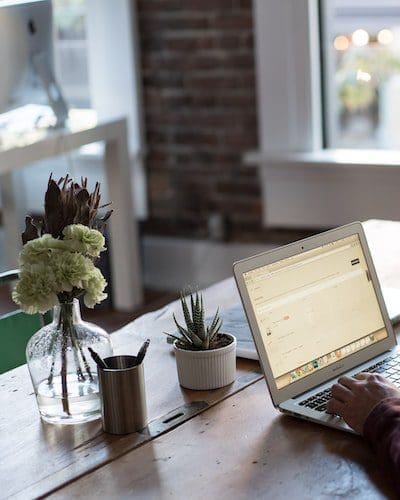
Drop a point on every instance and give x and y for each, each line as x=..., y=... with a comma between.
x=114, y=77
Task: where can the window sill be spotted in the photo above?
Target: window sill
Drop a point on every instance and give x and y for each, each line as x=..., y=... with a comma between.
x=327, y=188
x=326, y=157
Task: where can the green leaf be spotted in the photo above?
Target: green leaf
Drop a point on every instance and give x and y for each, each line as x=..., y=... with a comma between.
x=188, y=339
x=216, y=330
x=188, y=319
x=215, y=320
x=192, y=305
x=189, y=335
x=201, y=330
x=197, y=315
x=182, y=331
x=197, y=341
x=172, y=336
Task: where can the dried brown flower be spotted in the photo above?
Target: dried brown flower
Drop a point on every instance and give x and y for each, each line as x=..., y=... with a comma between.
x=66, y=202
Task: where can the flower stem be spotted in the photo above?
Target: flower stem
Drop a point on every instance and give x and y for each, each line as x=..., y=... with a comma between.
x=86, y=364
x=64, y=388
x=78, y=348
x=53, y=357
x=65, y=325
x=79, y=372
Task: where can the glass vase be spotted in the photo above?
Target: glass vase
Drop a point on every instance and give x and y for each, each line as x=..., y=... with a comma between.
x=63, y=373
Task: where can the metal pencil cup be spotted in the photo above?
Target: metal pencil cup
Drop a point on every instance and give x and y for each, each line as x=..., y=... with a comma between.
x=123, y=398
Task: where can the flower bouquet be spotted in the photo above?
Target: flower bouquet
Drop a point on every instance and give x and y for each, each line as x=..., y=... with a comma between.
x=57, y=266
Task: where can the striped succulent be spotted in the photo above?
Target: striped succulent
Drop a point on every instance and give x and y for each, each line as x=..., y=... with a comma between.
x=196, y=335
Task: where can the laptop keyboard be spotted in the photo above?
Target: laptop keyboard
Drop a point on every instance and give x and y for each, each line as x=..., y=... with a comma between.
x=388, y=367
x=317, y=401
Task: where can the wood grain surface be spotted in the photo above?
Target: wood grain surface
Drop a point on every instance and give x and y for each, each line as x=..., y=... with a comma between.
x=241, y=449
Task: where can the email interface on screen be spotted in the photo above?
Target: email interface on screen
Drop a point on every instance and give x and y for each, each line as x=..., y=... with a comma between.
x=315, y=308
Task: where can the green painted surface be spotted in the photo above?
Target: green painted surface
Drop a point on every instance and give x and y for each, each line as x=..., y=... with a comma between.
x=16, y=329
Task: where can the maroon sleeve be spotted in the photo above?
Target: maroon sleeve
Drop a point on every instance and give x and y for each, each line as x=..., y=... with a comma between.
x=382, y=430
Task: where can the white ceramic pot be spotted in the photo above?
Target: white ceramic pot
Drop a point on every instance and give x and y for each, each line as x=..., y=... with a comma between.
x=204, y=370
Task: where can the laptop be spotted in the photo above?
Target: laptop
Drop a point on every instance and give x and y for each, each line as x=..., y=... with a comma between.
x=316, y=311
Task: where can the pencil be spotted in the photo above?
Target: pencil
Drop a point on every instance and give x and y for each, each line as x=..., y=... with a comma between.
x=142, y=352
x=99, y=362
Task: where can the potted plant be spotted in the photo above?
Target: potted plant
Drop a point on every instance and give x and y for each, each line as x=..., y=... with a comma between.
x=205, y=357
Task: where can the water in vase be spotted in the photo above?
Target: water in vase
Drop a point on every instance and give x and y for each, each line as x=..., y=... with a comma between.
x=83, y=400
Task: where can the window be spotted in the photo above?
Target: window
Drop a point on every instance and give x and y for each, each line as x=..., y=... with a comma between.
x=361, y=51
x=306, y=180
x=70, y=51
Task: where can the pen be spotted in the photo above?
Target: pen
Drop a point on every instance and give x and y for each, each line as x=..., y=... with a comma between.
x=142, y=351
x=99, y=362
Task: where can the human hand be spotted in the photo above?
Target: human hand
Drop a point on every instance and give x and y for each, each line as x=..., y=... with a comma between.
x=353, y=398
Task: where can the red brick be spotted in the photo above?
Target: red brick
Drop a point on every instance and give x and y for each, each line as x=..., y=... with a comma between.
x=200, y=114
x=233, y=21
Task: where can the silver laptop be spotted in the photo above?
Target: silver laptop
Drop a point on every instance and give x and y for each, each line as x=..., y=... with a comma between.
x=316, y=311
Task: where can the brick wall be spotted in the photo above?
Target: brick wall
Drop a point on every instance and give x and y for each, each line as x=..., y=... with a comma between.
x=200, y=116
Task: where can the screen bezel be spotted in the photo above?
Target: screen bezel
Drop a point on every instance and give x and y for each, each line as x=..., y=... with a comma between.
x=324, y=374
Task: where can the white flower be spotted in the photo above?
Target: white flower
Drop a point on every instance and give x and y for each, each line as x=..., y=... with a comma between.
x=35, y=289
x=39, y=250
x=50, y=267
x=69, y=270
x=90, y=241
x=94, y=288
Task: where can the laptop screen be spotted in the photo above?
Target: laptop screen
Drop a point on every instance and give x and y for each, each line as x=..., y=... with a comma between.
x=315, y=308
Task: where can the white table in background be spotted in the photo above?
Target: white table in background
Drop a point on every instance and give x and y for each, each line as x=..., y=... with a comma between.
x=19, y=150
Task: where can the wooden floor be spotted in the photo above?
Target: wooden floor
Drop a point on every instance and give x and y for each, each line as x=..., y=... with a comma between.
x=107, y=318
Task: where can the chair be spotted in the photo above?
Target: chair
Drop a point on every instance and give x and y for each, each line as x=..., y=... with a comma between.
x=16, y=328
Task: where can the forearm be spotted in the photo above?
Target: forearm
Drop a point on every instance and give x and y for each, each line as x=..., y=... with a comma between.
x=382, y=430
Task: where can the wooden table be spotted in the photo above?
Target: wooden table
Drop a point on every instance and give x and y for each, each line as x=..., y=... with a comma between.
x=231, y=443
x=83, y=128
